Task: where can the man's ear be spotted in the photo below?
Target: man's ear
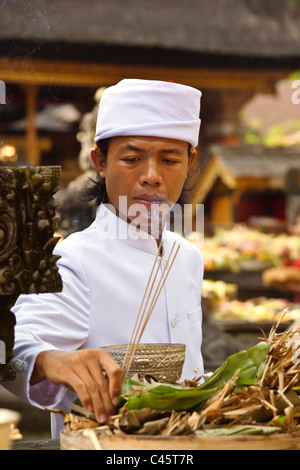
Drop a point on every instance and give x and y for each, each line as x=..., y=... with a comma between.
x=98, y=160
x=192, y=156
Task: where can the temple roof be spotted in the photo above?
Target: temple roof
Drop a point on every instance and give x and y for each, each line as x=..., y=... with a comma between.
x=248, y=28
x=249, y=164
x=255, y=161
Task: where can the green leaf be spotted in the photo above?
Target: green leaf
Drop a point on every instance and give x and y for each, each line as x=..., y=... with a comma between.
x=169, y=398
x=178, y=400
x=280, y=420
x=237, y=430
x=248, y=361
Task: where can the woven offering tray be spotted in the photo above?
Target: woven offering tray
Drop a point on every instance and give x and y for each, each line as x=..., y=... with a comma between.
x=251, y=402
x=79, y=440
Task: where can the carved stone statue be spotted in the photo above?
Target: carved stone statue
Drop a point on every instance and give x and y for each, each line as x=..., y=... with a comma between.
x=75, y=212
x=27, y=222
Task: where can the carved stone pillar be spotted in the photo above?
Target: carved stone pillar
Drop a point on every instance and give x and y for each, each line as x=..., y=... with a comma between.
x=27, y=222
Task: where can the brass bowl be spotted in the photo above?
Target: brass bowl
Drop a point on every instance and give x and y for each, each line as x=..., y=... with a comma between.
x=164, y=361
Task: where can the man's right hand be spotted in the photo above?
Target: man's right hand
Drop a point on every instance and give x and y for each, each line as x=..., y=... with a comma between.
x=82, y=371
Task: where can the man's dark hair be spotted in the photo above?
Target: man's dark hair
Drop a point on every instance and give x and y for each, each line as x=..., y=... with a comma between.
x=97, y=190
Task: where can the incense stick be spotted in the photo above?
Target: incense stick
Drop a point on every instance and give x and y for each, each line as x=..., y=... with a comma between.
x=133, y=338
x=158, y=290
x=139, y=312
x=132, y=346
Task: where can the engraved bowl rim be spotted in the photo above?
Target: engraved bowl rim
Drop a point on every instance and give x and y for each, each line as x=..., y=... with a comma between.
x=147, y=345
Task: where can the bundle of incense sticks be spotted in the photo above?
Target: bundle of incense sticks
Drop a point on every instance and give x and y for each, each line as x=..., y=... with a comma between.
x=149, y=297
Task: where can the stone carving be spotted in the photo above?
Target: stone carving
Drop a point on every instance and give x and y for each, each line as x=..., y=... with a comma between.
x=27, y=222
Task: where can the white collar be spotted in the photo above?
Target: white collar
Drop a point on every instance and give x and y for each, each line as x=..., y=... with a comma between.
x=114, y=227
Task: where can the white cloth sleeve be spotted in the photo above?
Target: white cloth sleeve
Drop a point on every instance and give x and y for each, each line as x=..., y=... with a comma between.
x=58, y=321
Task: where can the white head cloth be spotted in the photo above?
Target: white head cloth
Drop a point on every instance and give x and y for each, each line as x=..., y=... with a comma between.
x=153, y=108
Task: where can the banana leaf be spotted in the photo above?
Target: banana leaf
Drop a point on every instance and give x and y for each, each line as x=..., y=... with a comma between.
x=174, y=398
x=153, y=428
x=237, y=430
x=135, y=421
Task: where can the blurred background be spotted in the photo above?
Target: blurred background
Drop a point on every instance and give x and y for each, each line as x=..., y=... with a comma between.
x=57, y=57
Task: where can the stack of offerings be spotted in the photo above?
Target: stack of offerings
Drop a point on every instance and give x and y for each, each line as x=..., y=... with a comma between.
x=251, y=402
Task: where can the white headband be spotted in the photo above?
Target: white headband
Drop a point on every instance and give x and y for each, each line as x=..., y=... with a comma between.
x=149, y=108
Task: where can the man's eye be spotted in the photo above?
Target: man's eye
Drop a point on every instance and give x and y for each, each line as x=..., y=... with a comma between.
x=170, y=161
x=130, y=159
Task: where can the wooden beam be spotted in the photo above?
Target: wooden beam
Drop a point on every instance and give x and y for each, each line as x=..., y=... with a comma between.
x=59, y=73
x=45, y=143
x=216, y=168
x=32, y=148
x=222, y=209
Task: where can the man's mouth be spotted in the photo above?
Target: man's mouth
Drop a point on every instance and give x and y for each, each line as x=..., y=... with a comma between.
x=151, y=198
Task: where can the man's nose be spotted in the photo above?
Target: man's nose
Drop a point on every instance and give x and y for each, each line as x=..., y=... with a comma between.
x=151, y=173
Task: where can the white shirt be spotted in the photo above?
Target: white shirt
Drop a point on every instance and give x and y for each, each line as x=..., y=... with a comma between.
x=104, y=274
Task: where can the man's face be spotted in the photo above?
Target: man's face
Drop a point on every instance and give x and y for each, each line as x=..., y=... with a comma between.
x=147, y=170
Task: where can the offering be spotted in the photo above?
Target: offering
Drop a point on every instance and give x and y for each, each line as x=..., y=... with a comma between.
x=254, y=394
x=244, y=248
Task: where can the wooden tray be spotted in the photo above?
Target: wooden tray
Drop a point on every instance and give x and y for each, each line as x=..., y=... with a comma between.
x=75, y=440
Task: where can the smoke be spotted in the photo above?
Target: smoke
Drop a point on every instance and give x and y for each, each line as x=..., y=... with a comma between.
x=31, y=21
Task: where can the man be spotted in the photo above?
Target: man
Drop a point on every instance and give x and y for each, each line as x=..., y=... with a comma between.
x=145, y=134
